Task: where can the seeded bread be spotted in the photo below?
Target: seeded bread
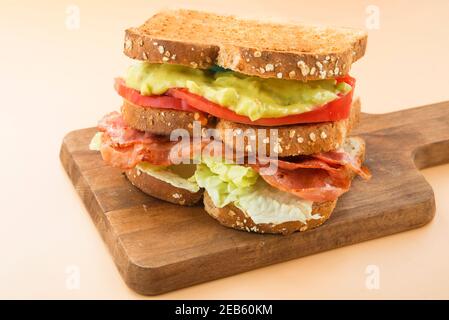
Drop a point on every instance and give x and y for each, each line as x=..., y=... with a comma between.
x=290, y=51
x=161, y=121
x=232, y=217
x=294, y=140
x=161, y=189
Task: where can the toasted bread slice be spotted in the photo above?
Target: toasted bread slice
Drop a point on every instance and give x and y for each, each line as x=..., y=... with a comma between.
x=161, y=189
x=162, y=121
x=289, y=51
x=294, y=140
x=233, y=217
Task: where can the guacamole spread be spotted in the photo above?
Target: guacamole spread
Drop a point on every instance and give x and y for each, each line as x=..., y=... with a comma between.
x=249, y=96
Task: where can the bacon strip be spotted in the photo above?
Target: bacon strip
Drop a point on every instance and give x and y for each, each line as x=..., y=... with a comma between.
x=124, y=147
x=120, y=134
x=310, y=184
x=319, y=177
x=344, y=159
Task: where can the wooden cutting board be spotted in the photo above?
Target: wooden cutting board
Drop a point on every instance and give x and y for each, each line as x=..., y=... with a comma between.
x=159, y=247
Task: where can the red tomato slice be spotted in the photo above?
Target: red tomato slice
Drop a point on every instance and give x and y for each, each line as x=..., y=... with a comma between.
x=182, y=99
x=335, y=110
x=162, y=101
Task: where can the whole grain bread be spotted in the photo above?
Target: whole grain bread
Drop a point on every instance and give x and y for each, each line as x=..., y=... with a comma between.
x=232, y=217
x=289, y=51
x=293, y=140
x=162, y=121
x=301, y=139
x=161, y=189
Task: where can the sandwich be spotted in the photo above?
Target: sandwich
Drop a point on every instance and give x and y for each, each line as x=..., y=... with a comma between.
x=276, y=100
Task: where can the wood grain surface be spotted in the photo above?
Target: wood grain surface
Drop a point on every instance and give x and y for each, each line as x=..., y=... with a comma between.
x=159, y=247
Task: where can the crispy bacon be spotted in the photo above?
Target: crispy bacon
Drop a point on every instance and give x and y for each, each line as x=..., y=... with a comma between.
x=344, y=159
x=310, y=184
x=124, y=147
x=320, y=177
x=120, y=134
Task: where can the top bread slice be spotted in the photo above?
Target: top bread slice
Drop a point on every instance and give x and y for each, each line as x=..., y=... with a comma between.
x=267, y=50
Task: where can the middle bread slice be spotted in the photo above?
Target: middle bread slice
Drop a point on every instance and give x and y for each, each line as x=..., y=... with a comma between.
x=292, y=140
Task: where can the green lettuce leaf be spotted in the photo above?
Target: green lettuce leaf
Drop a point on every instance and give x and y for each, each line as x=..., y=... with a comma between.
x=231, y=183
x=223, y=182
x=170, y=174
x=265, y=204
x=95, y=143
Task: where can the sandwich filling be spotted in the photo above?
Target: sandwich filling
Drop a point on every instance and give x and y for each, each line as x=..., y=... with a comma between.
x=290, y=193
x=318, y=177
x=236, y=97
x=179, y=176
x=243, y=187
x=286, y=195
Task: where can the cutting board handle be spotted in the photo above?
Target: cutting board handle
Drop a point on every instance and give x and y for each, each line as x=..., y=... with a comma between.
x=421, y=132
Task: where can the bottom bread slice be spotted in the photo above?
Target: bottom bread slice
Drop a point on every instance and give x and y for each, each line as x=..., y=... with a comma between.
x=161, y=189
x=233, y=217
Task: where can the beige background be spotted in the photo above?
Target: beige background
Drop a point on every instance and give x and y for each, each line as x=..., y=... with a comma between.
x=54, y=80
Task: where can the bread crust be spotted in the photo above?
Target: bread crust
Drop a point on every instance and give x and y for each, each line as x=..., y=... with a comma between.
x=301, y=139
x=142, y=46
x=161, y=189
x=161, y=121
x=300, y=56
